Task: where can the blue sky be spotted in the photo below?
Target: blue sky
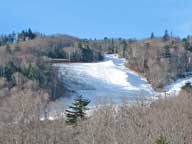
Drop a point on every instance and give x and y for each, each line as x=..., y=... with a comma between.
x=98, y=18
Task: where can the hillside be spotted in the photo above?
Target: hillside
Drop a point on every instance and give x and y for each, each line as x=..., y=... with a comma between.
x=159, y=59
x=32, y=88
x=26, y=57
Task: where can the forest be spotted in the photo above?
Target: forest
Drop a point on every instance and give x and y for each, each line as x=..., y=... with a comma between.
x=29, y=82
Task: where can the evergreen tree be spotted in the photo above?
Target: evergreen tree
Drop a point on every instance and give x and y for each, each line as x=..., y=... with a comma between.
x=87, y=54
x=167, y=52
x=105, y=41
x=77, y=110
x=124, y=43
x=166, y=35
x=162, y=140
x=152, y=35
x=186, y=44
x=30, y=71
x=9, y=69
x=187, y=86
x=31, y=35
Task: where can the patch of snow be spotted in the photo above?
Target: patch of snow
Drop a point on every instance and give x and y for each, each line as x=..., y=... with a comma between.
x=175, y=86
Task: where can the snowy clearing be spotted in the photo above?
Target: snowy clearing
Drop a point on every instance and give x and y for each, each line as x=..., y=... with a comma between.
x=106, y=81
x=109, y=78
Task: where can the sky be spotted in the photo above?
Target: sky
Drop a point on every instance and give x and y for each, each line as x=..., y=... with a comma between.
x=98, y=18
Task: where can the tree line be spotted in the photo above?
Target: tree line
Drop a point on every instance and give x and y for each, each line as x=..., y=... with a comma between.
x=17, y=37
x=159, y=59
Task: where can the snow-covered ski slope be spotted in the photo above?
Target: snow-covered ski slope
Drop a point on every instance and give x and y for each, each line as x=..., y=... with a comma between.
x=111, y=79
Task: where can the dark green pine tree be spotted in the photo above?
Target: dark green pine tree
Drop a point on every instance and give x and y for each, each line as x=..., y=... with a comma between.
x=187, y=86
x=166, y=35
x=77, y=111
x=152, y=35
x=87, y=54
x=30, y=34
